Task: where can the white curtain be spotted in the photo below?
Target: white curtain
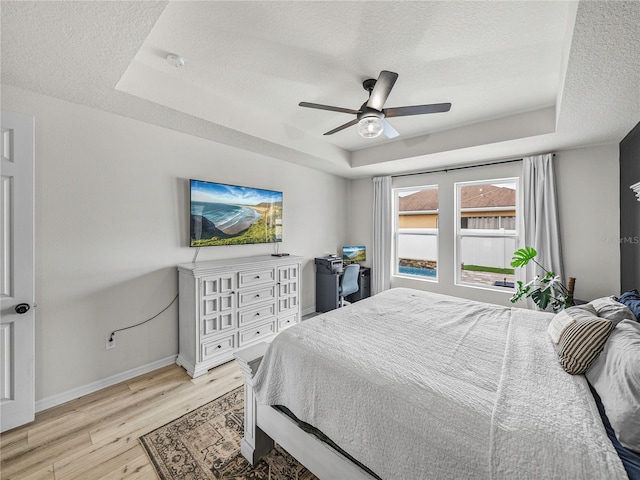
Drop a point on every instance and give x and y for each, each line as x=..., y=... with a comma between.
x=541, y=225
x=382, y=225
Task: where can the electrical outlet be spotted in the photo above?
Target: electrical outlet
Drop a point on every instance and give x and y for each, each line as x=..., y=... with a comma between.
x=111, y=342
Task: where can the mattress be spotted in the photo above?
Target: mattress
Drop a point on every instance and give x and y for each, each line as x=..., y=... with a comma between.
x=420, y=385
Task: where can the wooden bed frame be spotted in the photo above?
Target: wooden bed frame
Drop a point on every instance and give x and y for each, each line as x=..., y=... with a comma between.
x=264, y=426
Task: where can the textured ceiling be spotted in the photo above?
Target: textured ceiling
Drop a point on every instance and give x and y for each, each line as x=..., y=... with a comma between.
x=523, y=77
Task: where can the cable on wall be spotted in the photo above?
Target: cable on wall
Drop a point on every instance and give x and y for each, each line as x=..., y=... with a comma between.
x=157, y=314
x=145, y=321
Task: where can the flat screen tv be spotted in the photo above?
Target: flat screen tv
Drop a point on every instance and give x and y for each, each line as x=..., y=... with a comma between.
x=354, y=254
x=223, y=214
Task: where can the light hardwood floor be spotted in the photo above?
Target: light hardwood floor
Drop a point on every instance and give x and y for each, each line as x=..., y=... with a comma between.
x=96, y=436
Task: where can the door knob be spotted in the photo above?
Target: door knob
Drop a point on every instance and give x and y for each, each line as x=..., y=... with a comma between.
x=22, y=308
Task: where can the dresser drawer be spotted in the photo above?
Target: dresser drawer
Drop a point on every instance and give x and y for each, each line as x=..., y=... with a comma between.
x=256, y=333
x=287, y=322
x=256, y=295
x=256, y=314
x=217, y=347
x=256, y=277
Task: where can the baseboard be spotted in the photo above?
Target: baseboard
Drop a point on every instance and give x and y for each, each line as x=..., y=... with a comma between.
x=78, y=392
x=309, y=310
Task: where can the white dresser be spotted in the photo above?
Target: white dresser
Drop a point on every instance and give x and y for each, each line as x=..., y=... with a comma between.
x=231, y=303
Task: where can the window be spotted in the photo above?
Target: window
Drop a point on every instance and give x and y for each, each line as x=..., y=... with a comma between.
x=486, y=232
x=416, y=232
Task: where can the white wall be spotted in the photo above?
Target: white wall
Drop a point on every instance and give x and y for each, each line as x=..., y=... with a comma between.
x=112, y=224
x=360, y=216
x=588, y=182
x=588, y=198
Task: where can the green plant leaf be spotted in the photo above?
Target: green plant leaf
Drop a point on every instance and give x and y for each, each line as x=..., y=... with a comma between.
x=541, y=298
x=523, y=256
x=546, y=290
x=522, y=290
x=547, y=279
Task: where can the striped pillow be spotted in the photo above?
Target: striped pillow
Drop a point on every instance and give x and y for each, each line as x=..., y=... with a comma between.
x=581, y=343
x=568, y=317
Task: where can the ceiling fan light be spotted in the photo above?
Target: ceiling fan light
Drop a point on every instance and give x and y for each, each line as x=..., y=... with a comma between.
x=370, y=127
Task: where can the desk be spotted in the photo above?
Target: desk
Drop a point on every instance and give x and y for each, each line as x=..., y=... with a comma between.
x=328, y=285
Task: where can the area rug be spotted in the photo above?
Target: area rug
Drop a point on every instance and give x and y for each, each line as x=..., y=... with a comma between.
x=205, y=445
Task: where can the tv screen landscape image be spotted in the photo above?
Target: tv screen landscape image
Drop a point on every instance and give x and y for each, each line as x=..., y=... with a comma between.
x=224, y=214
x=353, y=253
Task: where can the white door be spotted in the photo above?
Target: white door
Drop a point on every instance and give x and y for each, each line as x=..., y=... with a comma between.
x=17, y=345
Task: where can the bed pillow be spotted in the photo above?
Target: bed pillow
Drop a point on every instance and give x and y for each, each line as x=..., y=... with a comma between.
x=615, y=375
x=568, y=317
x=632, y=300
x=612, y=309
x=582, y=339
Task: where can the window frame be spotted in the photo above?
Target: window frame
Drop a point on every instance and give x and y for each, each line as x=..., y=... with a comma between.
x=414, y=231
x=460, y=233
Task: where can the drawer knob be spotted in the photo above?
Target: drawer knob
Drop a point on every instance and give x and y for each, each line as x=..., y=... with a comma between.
x=219, y=346
x=257, y=294
x=258, y=332
x=257, y=276
x=257, y=314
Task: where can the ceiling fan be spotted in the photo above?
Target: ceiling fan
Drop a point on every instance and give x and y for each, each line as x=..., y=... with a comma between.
x=371, y=117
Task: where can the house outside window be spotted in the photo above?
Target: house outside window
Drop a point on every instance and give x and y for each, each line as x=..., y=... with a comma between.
x=486, y=233
x=416, y=232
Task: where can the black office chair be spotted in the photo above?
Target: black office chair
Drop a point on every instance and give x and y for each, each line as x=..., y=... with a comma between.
x=348, y=282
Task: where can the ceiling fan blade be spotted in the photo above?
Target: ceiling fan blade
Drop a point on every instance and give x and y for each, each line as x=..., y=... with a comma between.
x=328, y=107
x=389, y=131
x=417, y=110
x=342, y=127
x=382, y=89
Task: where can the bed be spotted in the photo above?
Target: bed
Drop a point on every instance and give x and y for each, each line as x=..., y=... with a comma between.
x=411, y=384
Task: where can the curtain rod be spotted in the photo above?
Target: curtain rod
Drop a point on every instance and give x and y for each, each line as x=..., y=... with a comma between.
x=459, y=168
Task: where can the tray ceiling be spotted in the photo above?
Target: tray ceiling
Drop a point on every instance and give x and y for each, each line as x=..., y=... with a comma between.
x=523, y=77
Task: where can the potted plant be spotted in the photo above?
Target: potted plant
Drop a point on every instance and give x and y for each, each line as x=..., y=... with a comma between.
x=545, y=290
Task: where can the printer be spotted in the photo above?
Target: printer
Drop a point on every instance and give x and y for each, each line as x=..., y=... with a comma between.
x=329, y=265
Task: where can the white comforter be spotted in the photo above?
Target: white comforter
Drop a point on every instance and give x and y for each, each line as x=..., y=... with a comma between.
x=418, y=385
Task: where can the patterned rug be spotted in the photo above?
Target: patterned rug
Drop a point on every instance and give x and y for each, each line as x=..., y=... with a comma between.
x=205, y=445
